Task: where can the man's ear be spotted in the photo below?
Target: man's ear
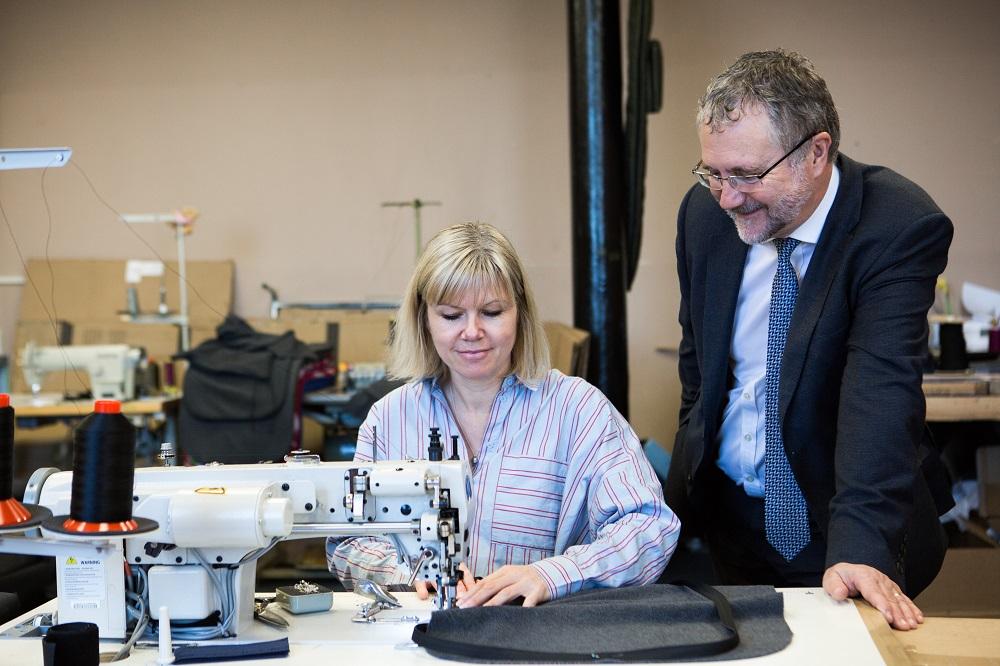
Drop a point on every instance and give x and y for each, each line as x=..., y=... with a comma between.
x=819, y=153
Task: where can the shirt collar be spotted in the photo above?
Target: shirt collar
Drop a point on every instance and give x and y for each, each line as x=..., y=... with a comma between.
x=508, y=382
x=811, y=229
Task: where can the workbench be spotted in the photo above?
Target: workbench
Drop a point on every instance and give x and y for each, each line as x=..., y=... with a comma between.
x=947, y=408
x=824, y=632
x=155, y=418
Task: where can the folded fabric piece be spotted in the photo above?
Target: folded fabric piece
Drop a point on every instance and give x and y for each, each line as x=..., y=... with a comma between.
x=653, y=623
x=190, y=654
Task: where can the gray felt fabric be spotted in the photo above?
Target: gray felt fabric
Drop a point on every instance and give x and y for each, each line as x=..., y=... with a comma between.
x=620, y=620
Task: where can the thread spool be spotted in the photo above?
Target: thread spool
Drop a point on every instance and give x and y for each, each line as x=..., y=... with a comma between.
x=14, y=516
x=953, y=356
x=71, y=644
x=103, y=477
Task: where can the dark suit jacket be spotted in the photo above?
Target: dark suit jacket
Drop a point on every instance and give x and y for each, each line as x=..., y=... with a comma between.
x=851, y=404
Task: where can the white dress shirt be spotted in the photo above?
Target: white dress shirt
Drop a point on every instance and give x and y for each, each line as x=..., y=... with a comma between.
x=741, y=435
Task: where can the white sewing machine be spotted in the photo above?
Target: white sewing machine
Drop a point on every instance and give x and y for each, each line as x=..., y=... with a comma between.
x=216, y=520
x=111, y=368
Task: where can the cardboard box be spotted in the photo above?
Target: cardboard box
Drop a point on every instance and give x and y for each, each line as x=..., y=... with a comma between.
x=305, y=331
x=988, y=474
x=159, y=340
x=201, y=333
x=362, y=337
x=967, y=586
x=569, y=348
x=95, y=290
x=92, y=294
x=41, y=334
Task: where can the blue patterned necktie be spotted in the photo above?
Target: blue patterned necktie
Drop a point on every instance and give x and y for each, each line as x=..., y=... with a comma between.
x=786, y=519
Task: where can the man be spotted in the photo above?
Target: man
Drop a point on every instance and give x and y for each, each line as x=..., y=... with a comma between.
x=805, y=283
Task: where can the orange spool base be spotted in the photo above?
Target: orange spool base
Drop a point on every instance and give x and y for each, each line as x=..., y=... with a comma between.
x=12, y=512
x=84, y=527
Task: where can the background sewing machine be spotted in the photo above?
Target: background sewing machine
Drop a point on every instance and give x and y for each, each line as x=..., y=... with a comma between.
x=111, y=368
x=983, y=306
x=214, y=521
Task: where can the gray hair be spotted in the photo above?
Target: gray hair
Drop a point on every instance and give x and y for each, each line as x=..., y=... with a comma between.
x=783, y=84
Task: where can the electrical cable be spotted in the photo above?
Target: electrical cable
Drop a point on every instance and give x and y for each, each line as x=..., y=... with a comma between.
x=52, y=314
x=223, y=578
x=137, y=611
x=38, y=294
x=140, y=626
x=76, y=164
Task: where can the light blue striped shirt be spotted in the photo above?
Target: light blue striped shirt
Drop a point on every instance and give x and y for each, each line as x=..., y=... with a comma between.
x=561, y=483
x=741, y=434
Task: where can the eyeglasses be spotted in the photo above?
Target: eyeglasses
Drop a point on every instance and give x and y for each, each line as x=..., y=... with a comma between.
x=750, y=183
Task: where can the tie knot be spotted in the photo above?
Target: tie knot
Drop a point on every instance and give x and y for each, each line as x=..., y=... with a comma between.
x=785, y=247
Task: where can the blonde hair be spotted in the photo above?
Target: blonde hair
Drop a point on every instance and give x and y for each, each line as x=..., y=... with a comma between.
x=468, y=256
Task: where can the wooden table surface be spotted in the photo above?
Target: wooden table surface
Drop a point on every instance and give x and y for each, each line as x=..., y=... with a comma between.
x=938, y=641
x=24, y=407
x=963, y=408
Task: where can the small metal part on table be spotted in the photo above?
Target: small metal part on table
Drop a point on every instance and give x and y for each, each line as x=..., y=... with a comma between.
x=304, y=597
x=381, y=600
x=262, y=613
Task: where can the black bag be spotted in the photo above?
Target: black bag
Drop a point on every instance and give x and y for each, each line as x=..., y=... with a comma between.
x=239, y=395
x=652, y=623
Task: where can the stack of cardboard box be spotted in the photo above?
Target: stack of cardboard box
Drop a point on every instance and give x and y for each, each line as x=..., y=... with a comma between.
x=81, y=302
x=969, y=582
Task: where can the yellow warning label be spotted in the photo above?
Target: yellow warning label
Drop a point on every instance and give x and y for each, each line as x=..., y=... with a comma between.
x=70, y=560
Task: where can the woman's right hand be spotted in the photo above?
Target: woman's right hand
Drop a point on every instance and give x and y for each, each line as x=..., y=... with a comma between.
x=424, y=589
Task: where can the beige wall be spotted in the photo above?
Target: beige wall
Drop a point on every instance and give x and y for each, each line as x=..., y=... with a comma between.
x=288, y=123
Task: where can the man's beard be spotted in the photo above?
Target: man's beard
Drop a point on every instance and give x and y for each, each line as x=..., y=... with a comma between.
x=780, y=214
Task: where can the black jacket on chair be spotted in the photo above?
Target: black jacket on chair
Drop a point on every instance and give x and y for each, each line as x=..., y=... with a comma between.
x=851, y=403
x=239, y=395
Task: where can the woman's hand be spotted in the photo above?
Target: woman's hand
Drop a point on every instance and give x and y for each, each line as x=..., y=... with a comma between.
x=424, y=588
x=505, y=584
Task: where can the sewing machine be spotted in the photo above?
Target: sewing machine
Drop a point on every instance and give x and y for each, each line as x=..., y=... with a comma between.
x=214, y=521
x=111, y=368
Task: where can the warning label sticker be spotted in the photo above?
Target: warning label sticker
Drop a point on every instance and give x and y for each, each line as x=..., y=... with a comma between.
x=83, y=582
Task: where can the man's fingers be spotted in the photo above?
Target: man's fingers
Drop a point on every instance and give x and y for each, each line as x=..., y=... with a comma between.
x=877, y=589
x=834, y=585
x=907, y=615
x=895, y=606
x=844, y=579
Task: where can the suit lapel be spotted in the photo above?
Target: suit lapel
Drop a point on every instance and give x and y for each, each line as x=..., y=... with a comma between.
x=823, y=268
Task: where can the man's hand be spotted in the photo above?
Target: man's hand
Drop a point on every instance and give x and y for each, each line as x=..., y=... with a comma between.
x=505, y=584
x=424, y=589
x=844, y=580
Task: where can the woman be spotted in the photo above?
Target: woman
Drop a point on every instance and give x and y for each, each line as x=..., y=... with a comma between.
x=563, y=497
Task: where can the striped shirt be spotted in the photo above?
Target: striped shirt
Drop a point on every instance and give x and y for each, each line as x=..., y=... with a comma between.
x=561, y=484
